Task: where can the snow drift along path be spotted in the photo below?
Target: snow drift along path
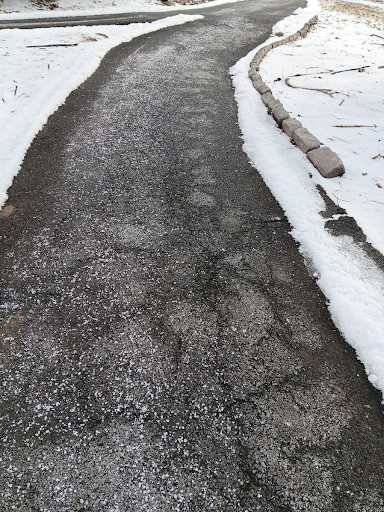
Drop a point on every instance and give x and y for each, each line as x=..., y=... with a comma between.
x=342, y=54
x=36, y=79
x=24, y=9
x=352, y=283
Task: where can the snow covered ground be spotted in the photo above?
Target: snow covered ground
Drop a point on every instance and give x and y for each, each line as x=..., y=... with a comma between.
x=352, y=283
x=36, y=79
x=344, y=109
x=24, y=9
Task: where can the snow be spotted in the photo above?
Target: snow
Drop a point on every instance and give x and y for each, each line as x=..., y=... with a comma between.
x=31, y=76
x=351, y=121
x=24, y=9
x=352, y=283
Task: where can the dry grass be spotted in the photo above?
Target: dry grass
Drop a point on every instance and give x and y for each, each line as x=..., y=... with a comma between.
x=374, y=17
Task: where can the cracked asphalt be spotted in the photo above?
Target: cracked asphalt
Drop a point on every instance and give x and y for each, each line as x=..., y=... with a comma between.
x=163, y=346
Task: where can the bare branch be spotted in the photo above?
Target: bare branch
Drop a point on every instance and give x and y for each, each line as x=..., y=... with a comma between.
x=325, y=91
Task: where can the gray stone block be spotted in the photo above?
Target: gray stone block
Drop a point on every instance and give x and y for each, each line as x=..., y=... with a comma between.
x=327, y=162
x=267, y=97
x=279, y=114
x=275, y=104
x=254, y=66
x=261, y=88
x=252, y=72
x=256, y=80
x=305, y=140
x=290, y=125
x=255, y=75
x=258, y=84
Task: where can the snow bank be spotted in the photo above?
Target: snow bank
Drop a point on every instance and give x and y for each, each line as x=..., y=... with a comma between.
x=23, y=9
x=353, y=285
x=350, y=120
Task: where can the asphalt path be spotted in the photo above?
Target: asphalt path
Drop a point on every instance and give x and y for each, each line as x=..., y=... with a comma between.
x=163, y=346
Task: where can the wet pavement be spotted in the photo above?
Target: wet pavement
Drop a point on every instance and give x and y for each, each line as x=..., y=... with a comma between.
x=163, y=346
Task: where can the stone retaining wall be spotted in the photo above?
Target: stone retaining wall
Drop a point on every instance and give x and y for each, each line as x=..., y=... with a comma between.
x=326, y=161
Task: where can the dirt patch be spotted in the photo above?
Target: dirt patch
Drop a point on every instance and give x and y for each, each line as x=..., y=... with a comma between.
x=11, y=323
x=6, y=211
x=373, y=16
x=7, y=342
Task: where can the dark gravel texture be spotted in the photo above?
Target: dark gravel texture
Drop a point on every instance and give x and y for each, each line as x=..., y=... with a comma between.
x=163, y=347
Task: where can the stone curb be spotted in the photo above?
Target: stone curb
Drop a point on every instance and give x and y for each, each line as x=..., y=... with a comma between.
x=328, y=163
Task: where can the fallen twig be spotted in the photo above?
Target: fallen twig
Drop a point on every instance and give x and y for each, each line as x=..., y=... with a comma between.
x=377, y=156
x=325, y=91
x=339, y=199
x=330, y=72
x=49, y=45
x=80, y=495
x=375, y=35
x=354, y=126
x=341, y=103
x=352, y=69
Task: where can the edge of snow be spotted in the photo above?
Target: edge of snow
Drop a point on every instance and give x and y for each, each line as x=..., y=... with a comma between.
x=352, y=283
x=60, y=90
x=131, y=8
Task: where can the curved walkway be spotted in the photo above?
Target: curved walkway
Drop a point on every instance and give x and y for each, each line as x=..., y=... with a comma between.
x=163, y=345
